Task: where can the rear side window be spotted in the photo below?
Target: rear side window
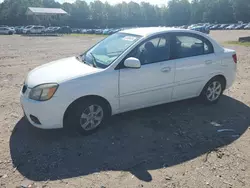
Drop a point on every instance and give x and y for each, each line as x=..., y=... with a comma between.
x=189, y=45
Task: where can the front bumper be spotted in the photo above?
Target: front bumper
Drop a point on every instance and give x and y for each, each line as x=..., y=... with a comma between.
x=49, y=113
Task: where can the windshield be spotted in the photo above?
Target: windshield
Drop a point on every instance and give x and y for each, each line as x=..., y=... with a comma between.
x=105, y=52
x=28, y=27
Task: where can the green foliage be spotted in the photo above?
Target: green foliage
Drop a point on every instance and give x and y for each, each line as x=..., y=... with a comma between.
x=100, y=15
x=241, y=9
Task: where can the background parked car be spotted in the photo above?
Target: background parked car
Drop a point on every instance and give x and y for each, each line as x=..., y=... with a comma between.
x=240, y=26
x=49, y=30
x=247, y=26
x=201, y=28
x=90, y=31
x=34, y=30
x=19, y=29
x=7, y=30
x=223, y=26
x=106, y=31
x=232, y=26
x=63, y=30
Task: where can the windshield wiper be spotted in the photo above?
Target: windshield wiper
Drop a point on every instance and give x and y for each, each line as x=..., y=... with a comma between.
x=94, y=59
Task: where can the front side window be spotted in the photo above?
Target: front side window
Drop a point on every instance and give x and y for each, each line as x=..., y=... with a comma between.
x=105, y=52
x=190, y=45
x=153, y=50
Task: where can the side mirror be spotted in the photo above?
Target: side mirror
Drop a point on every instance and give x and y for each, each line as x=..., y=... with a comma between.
x=132, y=62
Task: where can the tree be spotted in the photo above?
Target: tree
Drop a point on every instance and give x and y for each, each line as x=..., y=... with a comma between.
x=241, y=10
x=179, y=12
x=100, y=15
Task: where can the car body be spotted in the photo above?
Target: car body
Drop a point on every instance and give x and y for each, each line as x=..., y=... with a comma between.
x=215, y=27
x=35, y=29
x=223, y=26
x=231, y=27
x=247, y=26
x=76, y=30
x=19, y=29
x=240, y=26
x=106, y=31
x=98, y=31
x=202, y=29
x=50, y=29
x=7, y=30
x=63, y=30
x=141, y=68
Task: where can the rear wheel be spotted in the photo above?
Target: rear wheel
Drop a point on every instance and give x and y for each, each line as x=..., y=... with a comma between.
x=10, y=33
x=213, y=90
x=87, y=116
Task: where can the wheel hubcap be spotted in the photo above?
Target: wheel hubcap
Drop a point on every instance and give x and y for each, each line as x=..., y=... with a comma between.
x=214, y=91
x=91, y=117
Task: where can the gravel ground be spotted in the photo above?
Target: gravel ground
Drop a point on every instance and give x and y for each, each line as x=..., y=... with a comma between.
x=177, y=145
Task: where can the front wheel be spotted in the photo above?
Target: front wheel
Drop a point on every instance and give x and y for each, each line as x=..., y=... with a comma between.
x=87, y=116
x=213, y=90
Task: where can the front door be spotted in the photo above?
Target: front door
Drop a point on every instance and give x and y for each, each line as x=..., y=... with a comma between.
x=152, y=83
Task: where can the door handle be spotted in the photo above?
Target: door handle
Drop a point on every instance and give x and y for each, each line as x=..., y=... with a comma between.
x=166, y=69
x=208, y=62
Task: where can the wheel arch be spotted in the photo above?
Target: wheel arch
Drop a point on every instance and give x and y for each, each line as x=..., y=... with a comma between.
x=83, y=98
x=220, y=76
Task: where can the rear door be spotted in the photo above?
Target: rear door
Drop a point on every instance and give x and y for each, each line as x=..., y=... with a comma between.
x=37, y=29
x=195, y=61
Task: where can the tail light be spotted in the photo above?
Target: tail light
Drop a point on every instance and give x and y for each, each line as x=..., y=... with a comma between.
x=235, y=58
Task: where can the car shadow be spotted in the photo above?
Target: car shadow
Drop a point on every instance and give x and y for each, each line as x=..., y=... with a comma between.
x=136, y=142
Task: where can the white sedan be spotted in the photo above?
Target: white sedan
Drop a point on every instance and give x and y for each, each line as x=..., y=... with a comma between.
x=129, y=70
x=7, y=30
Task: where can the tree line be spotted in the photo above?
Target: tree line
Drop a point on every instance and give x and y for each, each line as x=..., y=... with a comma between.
x=101, y=15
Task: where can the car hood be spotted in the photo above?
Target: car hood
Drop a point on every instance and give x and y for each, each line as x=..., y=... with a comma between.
x=59, y=71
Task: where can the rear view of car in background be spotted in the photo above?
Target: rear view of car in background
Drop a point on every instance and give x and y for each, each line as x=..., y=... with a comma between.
x=19, y=29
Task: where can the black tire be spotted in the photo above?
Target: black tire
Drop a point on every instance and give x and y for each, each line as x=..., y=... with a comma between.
x=207, y=90
x=10, y=33
x=73, y=120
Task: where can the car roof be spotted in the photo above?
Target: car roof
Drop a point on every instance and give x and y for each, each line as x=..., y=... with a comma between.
x=147, y=31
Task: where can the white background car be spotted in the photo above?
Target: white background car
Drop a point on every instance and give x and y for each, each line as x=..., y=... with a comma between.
x=7, y=31
x=129, y=70
x=34, y=30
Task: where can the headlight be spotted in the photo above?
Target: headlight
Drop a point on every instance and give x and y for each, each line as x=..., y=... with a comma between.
x=43, y=92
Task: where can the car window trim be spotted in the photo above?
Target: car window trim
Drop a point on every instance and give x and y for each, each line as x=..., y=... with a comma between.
x=121, y=64
x=194, y=35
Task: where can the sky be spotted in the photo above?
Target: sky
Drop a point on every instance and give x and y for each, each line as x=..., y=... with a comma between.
x=155, y=2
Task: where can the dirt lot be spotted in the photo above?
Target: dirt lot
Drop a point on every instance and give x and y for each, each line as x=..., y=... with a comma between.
x=176, y=145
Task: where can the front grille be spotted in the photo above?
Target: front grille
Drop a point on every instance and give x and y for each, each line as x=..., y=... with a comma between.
x=24, y=89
